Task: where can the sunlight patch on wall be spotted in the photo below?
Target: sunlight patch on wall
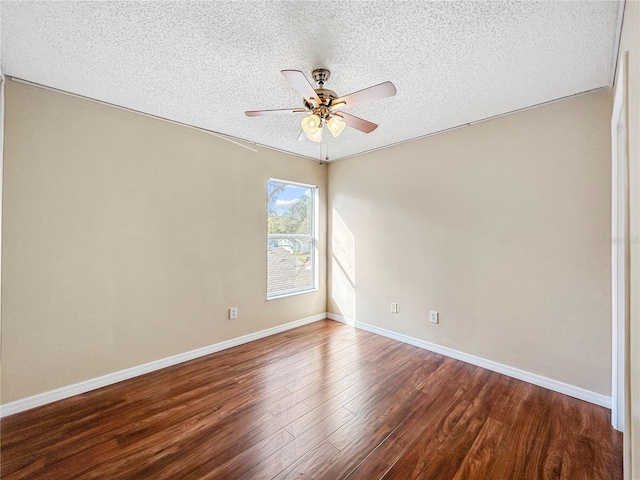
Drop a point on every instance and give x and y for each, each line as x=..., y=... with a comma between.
x=343, y=267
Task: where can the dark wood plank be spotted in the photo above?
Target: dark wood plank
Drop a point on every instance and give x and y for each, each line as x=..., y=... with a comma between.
x=294, y=450
x=454, y=448
x=322, y=401
x=414, y=459
x=380, y=422
x=309, y=463
x=433, y=404
x=240, y=463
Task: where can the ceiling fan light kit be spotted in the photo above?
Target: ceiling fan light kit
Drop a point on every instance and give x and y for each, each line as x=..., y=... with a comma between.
x=311, y=124
x=335, y=126
x=316, y=137
x=322, y=104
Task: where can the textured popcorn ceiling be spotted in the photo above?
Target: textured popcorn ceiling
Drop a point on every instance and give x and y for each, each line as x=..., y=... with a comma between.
x=205, y=63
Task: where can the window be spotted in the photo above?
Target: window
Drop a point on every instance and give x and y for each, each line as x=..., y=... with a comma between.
x=291, y=239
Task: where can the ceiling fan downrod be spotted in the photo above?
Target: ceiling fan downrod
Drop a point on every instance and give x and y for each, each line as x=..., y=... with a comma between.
x=321, y=76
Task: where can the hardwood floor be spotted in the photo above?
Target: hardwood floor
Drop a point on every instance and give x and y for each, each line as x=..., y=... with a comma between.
x=322, y=401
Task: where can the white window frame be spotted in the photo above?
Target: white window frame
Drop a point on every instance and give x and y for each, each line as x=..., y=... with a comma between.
x=312, y=238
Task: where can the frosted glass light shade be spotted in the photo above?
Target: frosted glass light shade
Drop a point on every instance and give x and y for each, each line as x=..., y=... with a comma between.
x=310, y=124
x=335, y=126
x=316, y=137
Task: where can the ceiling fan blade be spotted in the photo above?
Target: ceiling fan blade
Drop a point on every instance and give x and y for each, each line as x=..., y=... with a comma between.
x=382, y=90
x=260, y=113
x=299, y=81
x=357, y=123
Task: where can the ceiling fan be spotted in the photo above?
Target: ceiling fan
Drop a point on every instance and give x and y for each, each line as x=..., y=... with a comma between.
x=325, y=107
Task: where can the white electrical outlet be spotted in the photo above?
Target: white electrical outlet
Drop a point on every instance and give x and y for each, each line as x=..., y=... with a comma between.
x=233, y=313
x=433, y=317
x=395, y=308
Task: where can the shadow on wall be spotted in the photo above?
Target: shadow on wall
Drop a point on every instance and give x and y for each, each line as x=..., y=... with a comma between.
x=343, y=267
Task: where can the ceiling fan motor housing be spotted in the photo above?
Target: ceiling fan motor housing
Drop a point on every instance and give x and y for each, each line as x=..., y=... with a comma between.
x=326, y=96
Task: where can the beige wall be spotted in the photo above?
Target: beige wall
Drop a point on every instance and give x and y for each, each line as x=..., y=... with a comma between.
x=126, y=239
x=500, y=227
x=630, y=48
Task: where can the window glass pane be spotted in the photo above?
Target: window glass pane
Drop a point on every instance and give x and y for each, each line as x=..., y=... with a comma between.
x=290, y=208
x=289, y=265
x=290, y=244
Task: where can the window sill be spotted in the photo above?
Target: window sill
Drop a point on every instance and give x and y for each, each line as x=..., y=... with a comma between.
x=291, y=294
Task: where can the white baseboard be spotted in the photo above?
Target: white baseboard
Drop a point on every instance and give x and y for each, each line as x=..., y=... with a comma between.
x=111, y=378
x=555, y=385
